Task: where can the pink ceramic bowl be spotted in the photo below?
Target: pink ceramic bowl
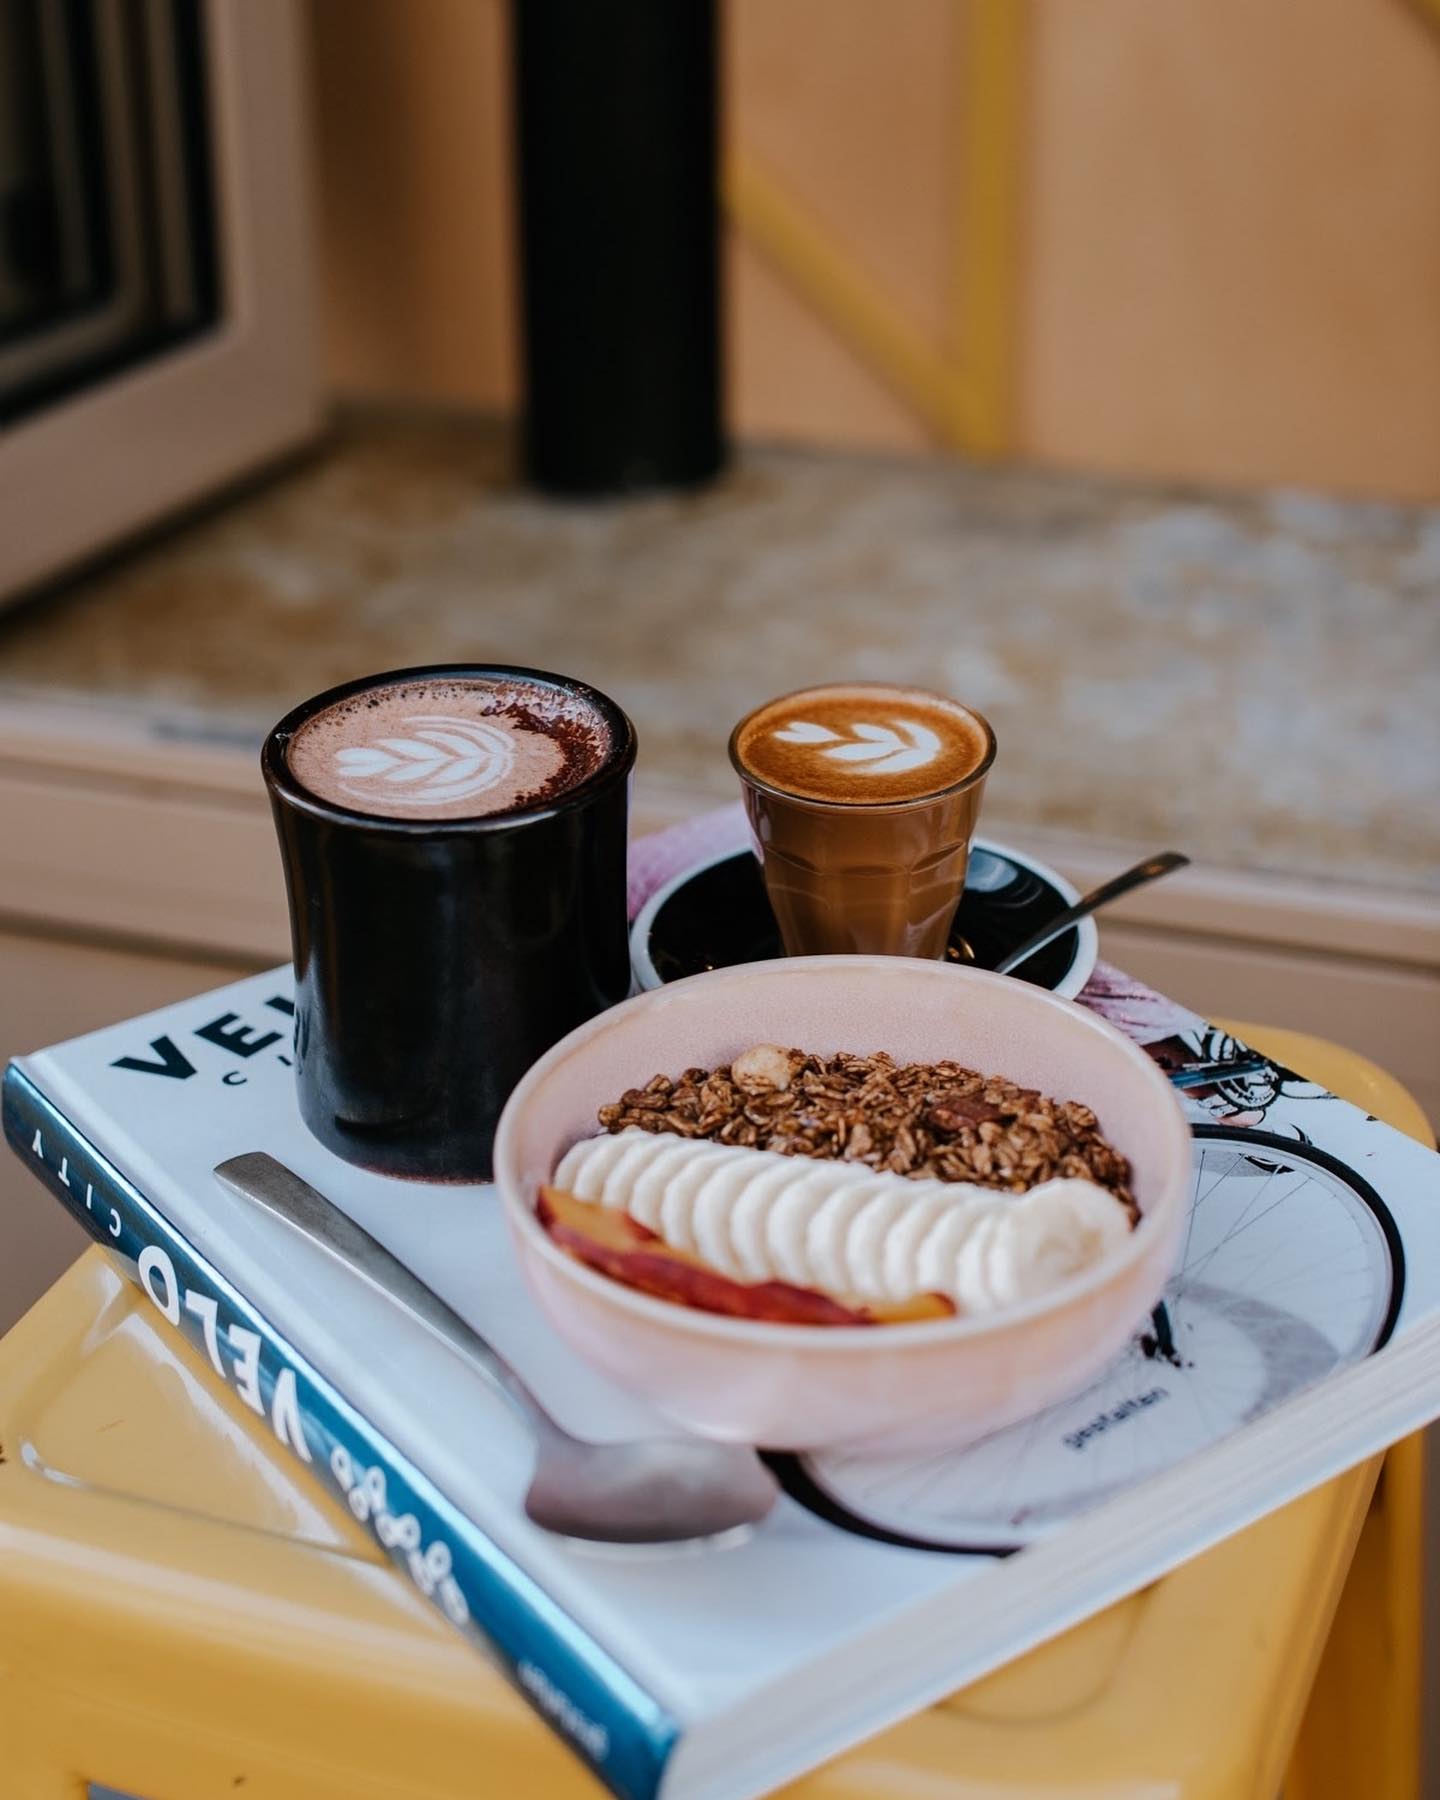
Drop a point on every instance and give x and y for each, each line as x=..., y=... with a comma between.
x=883, y=1386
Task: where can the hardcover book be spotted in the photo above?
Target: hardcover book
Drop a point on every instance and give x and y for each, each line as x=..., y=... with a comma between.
x=1300, y=1334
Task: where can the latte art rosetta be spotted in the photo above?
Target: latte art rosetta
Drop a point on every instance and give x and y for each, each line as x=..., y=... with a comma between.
x=461, y=747
x=862, y=744
x=891, y=749
x=861, y=799
x=442, y=760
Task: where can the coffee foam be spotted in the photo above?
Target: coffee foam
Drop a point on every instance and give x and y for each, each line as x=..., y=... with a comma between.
x=861, y=744
x=459, y=747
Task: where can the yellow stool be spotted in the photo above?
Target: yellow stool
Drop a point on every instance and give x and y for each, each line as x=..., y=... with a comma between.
x=183, y=1619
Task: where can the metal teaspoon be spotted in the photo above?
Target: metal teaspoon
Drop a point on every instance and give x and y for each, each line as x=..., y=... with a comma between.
x=651, y=1491
x=1151, y=869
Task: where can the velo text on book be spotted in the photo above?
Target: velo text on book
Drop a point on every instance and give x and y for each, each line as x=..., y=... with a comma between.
x=265, y=1384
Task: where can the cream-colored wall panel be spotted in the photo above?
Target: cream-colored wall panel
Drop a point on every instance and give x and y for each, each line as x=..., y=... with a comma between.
x=51, y=989
x=1328, y=918
x=1232, y=253
x=171, y=868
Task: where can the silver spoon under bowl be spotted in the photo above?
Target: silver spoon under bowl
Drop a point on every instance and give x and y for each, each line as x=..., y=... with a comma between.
x=1151, y=869
x=650, y=1491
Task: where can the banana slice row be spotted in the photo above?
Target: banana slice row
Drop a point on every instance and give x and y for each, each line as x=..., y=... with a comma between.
x=842, y=1228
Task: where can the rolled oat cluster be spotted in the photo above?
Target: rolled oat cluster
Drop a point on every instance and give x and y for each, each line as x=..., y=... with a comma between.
x=934, y=1121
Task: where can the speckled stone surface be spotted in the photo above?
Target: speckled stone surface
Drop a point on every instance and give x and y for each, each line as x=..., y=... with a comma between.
x=1255, y=679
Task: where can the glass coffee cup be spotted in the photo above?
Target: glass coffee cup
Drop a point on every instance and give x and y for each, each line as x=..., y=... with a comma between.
x=454, y=842
x=862, y=799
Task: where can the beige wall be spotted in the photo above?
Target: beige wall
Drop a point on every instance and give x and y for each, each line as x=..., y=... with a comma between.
x=1229, y=231
x=1234, y=241
x=415, y=230
x=854, y=120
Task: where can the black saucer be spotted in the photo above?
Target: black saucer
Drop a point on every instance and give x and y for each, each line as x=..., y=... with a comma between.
x=717, y=915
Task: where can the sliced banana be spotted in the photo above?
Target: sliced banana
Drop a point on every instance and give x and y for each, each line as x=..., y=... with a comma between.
x=843, y=1228
x=603, y=1168
x=827, y=1236
x=681, y=1222
x=787, y=1223
x=883, y=1201
x=757, y=1190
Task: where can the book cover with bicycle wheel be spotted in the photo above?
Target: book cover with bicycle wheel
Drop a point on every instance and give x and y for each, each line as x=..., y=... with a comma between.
x=1299, y=1334
x=1294, y=1266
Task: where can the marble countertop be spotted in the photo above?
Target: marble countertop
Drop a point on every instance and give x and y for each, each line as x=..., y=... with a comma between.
x=1252, y=678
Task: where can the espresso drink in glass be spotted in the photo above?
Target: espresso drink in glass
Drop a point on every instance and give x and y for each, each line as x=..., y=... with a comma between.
x=862, y=800
x=454, y=849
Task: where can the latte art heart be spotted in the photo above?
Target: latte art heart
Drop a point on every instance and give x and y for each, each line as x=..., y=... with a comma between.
x=891, y=749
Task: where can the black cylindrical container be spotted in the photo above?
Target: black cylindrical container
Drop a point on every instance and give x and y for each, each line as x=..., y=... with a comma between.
x=435, y=960
x=616, y=121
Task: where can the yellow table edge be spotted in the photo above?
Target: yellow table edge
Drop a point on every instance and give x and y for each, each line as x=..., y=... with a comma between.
x=181, y=1619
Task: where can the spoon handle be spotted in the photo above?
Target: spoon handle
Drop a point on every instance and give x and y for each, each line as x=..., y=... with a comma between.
x=281, y=1192
x=1151, y=869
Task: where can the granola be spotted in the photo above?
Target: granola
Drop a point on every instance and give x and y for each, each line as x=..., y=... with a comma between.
x=934, y=1121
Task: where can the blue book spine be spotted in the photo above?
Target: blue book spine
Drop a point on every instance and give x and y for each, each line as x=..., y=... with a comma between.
x=619, y=1729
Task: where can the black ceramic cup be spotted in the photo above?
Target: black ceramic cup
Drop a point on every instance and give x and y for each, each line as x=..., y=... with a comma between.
x=437, y=958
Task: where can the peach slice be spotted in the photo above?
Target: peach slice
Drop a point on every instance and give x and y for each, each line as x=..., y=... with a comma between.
x=628, y=1251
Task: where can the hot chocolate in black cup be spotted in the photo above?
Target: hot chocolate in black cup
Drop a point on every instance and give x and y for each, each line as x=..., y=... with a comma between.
x=453, y=840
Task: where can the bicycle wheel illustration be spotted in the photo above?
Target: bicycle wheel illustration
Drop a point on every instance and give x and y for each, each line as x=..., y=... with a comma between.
x=1292, y=1268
